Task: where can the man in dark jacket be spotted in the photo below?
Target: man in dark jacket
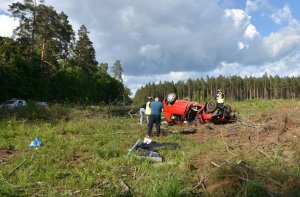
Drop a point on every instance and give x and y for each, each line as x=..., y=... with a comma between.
x=155, y=117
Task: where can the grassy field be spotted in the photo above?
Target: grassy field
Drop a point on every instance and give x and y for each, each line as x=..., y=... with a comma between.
x=84, y=153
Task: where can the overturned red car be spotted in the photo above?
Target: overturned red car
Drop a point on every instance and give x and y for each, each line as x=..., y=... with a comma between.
x=184, y=111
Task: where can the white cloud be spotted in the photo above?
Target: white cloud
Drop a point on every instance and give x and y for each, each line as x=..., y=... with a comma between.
x=5, y=3
x=251, y=32
x=242, y=45
x=7, y=25
x=136, y=82
x=283, y=42
x=238, y=16
x=288, y=66
x=150, y=51
x=128, y=16
x=282, y=15
x=251, y=6
x=255, y=5
x=175, y=39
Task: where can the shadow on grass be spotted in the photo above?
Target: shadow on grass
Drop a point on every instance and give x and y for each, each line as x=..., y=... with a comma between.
x=33, y=113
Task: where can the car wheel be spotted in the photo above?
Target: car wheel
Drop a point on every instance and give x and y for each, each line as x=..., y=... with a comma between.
x=211, y=106
x=171, y=98
x=227, y=108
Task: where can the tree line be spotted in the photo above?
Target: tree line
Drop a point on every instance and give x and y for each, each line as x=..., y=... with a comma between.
x=234, y=88
x=44, y=61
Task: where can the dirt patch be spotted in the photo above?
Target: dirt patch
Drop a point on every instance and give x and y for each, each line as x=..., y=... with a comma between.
x=77, y=158
x=226, y=183
x=6, y=154
x=277, y=128
x=273, y=135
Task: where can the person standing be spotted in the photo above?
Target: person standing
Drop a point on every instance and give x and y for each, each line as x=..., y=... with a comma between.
x=155, y=117
x=142, y=113
x=220, y=99
x=148, y=109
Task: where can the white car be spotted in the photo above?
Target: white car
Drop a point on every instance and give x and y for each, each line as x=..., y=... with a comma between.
x=14, y=103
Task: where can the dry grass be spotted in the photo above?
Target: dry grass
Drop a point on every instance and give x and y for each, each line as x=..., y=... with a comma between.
x=265, y=145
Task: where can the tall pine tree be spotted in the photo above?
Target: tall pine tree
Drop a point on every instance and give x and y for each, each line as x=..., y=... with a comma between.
x=84, y=51
x=117, y=70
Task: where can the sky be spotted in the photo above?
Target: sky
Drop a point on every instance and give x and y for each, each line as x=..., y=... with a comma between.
x=165, y=40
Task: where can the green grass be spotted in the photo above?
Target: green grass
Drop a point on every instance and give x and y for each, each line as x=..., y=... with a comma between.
x=84, y=154
x=256, y=107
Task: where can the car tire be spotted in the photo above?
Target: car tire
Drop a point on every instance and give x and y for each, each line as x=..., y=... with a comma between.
x=211, y=106
x=227, y=108
x=171, y=98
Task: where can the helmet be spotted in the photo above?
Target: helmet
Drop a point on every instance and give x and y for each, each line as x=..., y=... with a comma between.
x=171, y=97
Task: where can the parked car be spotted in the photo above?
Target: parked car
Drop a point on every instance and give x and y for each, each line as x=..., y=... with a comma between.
x=14, y=103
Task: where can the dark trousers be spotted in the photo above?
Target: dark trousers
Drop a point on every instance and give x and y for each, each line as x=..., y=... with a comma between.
x=220, y=105
x=154, y=119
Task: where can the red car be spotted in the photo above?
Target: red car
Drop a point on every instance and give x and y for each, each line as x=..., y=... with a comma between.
x=183, y=111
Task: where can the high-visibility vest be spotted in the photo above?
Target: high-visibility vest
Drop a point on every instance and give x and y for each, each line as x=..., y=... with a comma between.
x=148, y=109
x=220, y=97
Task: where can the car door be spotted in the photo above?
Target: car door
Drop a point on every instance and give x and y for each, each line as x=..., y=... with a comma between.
x=20, y=104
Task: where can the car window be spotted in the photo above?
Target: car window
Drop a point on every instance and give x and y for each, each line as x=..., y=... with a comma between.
x=9, y=102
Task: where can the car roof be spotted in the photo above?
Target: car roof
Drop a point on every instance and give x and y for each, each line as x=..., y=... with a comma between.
x=14, y=99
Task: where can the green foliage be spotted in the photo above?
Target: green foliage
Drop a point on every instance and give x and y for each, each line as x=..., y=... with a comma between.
x=117, y=70
x=38, y=63
x=28, y=82
x=255, y=189
x=44, y=34
x=103, y=67
x=169, y=186
x=84, y=51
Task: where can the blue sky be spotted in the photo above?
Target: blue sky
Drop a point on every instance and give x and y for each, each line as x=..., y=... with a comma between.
x=164, y=40
x=264, y=23
x=261, y=18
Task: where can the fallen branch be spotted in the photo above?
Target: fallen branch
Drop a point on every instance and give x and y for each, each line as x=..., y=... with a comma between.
x=123, y=185
x=137, y=180
x=131, y=114
x=213, y=163
x=6, y=181
x=226, y=144
x=122, y=133
x=189, y=131
x=247, y=123
x=201, y=182
x=261, y=174
x=265, y=154
x=17, y=167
